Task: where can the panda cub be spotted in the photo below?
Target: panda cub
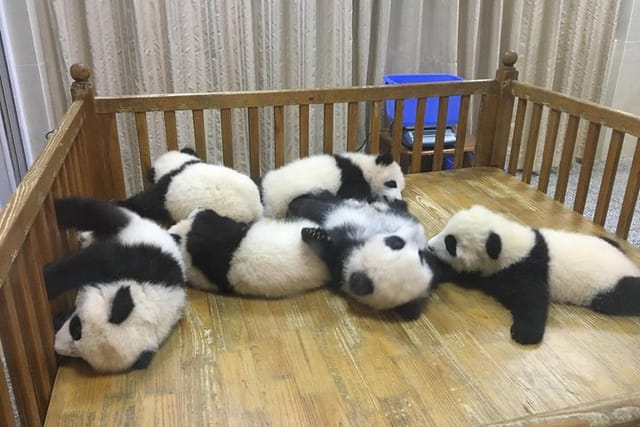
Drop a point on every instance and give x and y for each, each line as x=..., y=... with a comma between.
x=526, y=268
x=266, y=258
x=376, y=252
x=347, y=175
x=184, y=183
x=130, y=281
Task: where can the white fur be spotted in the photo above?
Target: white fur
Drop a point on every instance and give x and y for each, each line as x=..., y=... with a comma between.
x=271, y=261
x=580, y=267
x=109, y=347
x=320, y=172
x=204, y=185
x=170, y=161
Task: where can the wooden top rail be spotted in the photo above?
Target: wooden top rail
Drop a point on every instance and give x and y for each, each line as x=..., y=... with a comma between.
x=23, y=207
x=200, y=101
x=591, y=111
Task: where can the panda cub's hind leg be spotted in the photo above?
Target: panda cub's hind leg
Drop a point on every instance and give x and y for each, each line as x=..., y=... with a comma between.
x=623, y=299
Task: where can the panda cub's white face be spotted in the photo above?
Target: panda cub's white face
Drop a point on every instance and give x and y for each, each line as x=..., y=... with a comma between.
x=479, y=240
x=388, y=181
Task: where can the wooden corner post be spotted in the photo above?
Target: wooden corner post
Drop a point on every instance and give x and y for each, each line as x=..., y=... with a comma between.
x=505, y=76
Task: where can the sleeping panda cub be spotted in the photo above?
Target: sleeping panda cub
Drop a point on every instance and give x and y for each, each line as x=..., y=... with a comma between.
x=266, y=258
x=376, y=252
x=347, y=175
x=526, y=268
x=130, y=281
x=184, y=183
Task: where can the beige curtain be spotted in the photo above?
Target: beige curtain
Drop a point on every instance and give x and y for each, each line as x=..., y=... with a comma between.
x=168, y=46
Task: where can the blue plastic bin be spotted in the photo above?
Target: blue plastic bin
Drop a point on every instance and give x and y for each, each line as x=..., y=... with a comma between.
x=410, y=105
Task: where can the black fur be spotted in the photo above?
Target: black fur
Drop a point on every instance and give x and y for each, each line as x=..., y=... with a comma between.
x=451, y=243
x=353, y=185
x=189, y=150
x=106, y=262
x=394, y=242
x=384, y=159
x=493, y=245
x=623, y=299
x=611, y=242
x=360, y=284
x=522, y=288
x=122, y=305
x=391, y=184
x=143, y=360
x=314, y=207
x=412, y=309
x=150, y=203
x=75, y=327
x=85, y=213
x=211, y=242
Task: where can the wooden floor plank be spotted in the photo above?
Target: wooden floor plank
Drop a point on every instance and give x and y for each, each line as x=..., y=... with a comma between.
x=319, y=359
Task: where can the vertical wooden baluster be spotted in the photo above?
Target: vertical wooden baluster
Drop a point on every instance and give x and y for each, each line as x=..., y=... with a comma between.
x=84, y=159
x=514, y=155
x=6, y=408
x=16, y=357
x=566, y=159
x=108, y=126
x=549, y=150
x=418, y=131
x=278, y=137
x=532, y=141
x=461, y=131
x=171, y=130
x=143, y=144
x=630, y=195
x=328, y=129
x=303, y=130
x=374, y=133
x=254, y=141
x=608, y=177
x=199, y=134
x=352, y=126
x=227, y=137
x=438, y=153
x=586, y=169
x=396, y=134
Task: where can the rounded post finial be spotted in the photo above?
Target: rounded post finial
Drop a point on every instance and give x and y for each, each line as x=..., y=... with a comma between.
x=80, y=72
x=509, y=58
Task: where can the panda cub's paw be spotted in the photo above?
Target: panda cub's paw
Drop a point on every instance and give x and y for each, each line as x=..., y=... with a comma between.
x=314, y=235
x=525, y=334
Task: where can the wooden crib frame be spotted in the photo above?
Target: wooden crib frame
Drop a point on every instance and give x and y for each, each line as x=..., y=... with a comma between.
x=83, y=157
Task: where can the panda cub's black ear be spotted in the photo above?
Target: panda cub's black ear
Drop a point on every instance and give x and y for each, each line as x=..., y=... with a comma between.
x=384, y=159
x=122, y=305
x=493, y=245
x=189, y=150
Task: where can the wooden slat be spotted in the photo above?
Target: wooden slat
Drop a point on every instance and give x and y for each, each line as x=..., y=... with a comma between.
x=374, y=133
x=416, y=150
x=352, y=126
x=461, y=131
x=588, y=110
x=171, y=130
x=566, y=159
x=486, y=119
x=514, y=155
x=268, y=98
x=553, y=124
x=327, y=132
x=278, y=134
x=108, y=127
x=16, y=357
x=396, y=134
x=586, y=167
x=6, y=408
x=86, y=160
x=143, y=145
x=199, y=133
x=608, y=177
x=630, y=195
x=443, y=106
x=532, y=142
x=254, y=141
x=227, y=137
x=303, y=130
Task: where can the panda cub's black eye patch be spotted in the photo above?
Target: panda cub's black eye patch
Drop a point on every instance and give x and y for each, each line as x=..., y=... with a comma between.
x=394, y=242
x=451, y=244
x=75, y=328
x=391, y=184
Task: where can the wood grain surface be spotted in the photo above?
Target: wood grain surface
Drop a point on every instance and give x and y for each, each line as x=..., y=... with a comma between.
x=318, y=359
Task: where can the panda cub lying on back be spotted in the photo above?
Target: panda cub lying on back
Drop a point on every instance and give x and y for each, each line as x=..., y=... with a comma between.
x=130, y=281
x=182, y=183
x=346, y=175
x=526, y=268
x=375, y=252
x=266, y=258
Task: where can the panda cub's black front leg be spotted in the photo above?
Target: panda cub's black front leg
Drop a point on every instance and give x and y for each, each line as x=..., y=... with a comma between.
x=528, y=324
